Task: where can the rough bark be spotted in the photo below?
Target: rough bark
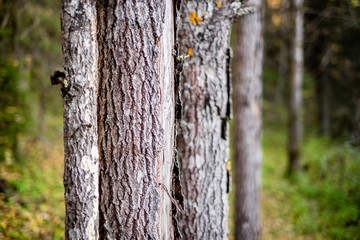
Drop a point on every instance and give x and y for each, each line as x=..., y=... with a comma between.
x=247, y=82
x=118, y=95
x=136, y=115
x=296, y=81
x=202, y=138
x=78, y=23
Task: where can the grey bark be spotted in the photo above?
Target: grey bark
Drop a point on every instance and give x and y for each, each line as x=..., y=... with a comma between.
x=81, y=174
x=202, y=138
x=296, y=81
x=247, y=82
x=118, y=118
x=136, y=116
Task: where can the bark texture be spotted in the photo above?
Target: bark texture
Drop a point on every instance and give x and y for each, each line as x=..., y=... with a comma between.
x=136, y=116
x=202, y=138
x=247, y=82
x=296, y=81
x=81, y=175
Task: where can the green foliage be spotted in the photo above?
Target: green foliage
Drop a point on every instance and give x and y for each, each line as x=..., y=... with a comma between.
x=30, y=50
x=322, y=201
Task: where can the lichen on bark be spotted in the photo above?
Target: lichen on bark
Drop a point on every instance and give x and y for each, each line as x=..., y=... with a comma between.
x=202, y=135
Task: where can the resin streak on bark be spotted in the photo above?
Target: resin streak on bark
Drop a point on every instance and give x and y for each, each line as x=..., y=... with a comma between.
x=78, y=23
x=248, y=57
x=203, y=152
x=136, y=115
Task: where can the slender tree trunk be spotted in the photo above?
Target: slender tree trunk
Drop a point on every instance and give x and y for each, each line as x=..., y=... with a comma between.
x=296, y=81
x=284, y=52
x=247, y=69
x=81, y=173
x=136, y=118
x=118, y=118
x=325, y=94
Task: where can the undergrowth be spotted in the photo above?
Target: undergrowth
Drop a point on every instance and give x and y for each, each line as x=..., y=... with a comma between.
x=322, y=201
x=32, y=196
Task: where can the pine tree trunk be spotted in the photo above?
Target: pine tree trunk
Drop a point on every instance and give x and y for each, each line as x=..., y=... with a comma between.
x=202, y=138
x=247, y=82
x=118, y=118
x=81, y=173
x=296, y=81
x=136, y=117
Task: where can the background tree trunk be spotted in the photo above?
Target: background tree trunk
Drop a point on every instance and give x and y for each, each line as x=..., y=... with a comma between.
x=284, y=52
x=247, y=82
x=325, y=94
x=202, y=138
x=136, y=118
x=81, y=173
x=296, y=81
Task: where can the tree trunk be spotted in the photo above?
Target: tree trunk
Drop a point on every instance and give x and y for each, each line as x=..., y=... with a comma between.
x=136, y=118
x=284, y=52
x=296, y=81
x=247, y=82
x=118, y=118
x=202, y=138
x=81, y=173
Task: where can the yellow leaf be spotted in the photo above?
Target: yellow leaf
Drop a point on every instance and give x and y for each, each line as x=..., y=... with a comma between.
x=218, y=4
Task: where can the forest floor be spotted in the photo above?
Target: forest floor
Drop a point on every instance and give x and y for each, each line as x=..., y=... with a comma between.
x=319, y=203
x=32, y=206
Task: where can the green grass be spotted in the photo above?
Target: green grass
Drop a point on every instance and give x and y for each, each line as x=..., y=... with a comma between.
x=322, y=201
x=33, y=205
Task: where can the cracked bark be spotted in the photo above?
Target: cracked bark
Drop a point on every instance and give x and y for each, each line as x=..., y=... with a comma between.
x=78, y=23
x=247, y=73
x=202, y=133
x=118, y=118
x=136, y=116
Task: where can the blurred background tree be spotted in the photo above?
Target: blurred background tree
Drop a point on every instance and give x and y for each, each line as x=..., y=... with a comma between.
x=322, y=200
x=30, y=49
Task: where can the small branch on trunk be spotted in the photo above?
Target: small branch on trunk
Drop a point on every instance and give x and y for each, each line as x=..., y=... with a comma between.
x=171, y=198
x=59, y=77
x=239, y=10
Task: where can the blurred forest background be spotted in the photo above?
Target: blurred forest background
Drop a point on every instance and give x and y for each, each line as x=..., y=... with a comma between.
x=322, y=201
